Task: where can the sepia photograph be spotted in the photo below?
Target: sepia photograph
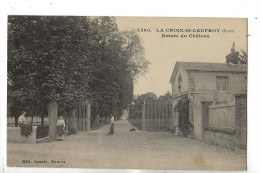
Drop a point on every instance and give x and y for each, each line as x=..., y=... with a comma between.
x=109, y=92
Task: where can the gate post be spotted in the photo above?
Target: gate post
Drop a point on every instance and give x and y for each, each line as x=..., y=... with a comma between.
x=88, y=115
x=144, y=116
x=73, y=121
x=84, y=114
x=52, y=108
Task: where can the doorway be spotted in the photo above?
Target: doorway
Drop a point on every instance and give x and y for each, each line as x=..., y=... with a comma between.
x=184, y=124
x=205, y=115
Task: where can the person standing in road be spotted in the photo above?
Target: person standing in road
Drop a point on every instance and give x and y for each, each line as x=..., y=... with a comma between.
x=111, y=132
x=60, y=128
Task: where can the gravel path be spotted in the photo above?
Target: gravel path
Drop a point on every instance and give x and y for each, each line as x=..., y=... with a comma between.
x=126, y=150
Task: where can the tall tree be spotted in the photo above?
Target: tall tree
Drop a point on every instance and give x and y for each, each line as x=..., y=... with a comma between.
x=49, y=60
x=136, y=106
x=57, y=62
x=122, y=61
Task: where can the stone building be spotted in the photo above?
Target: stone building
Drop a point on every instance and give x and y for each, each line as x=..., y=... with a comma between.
x=204, y=98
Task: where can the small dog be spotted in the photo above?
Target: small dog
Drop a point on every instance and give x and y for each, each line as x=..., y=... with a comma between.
x=132, y=130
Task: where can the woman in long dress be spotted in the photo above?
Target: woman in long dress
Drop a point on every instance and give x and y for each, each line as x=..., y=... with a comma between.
x=60, y=128
x=111, y=132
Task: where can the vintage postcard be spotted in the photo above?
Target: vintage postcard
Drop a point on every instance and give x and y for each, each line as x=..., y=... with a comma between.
x=153, y=93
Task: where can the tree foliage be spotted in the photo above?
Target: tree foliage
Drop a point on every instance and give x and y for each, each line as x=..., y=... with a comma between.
x=69, y=59
x=136, y=106
x=167, y=97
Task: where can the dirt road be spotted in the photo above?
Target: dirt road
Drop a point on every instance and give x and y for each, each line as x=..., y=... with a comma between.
x=124, y=149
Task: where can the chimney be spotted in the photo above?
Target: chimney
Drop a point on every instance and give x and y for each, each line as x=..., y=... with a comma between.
x=233, y=56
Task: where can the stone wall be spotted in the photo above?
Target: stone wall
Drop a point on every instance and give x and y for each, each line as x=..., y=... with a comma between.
x=230, y=137
x=222, y=116
x=197, y=100
x=221, y=126
x=223, y=139
x=14, y=135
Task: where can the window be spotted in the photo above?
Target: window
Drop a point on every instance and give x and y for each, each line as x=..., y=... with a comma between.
x=179, y=82
x=221, y=84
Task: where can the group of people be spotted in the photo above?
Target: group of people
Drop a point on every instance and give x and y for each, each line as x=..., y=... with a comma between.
x=61, y=125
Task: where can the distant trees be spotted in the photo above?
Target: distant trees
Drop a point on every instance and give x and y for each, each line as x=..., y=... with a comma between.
x=122, y=60
x=136, y=106
x=64, y=60
x=166, y=97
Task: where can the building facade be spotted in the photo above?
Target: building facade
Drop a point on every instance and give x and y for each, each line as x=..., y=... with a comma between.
x=204, y=97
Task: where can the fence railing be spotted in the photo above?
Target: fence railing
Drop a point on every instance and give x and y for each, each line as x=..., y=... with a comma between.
x=155, y=115
x=35, y=123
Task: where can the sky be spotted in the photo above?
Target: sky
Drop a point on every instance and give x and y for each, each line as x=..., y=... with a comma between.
x=163, y=52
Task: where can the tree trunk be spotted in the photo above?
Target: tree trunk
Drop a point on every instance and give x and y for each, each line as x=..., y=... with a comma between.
x=94, y=118
x=96, y=121
x=16, y=120
x=16, y=110
x=52, y=109
x=88, y=115
x=42, y=120
x=72, y=121
x=107, y=119
x=32, y=121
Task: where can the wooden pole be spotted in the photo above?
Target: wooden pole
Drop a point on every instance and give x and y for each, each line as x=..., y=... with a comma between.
x=52, y=108
x=144, y=117
x=84, y=114
x=72, y=120
x=88, y=115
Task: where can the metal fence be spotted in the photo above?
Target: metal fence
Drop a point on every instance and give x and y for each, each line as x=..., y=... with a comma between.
x=156, y=115
x=35, y=123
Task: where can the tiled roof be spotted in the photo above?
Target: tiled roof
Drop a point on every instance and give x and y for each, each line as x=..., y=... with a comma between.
x=225, y=67
x=209, y=67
